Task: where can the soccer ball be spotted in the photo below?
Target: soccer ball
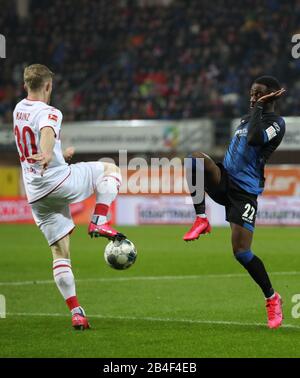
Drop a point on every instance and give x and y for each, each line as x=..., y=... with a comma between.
x=120, y=254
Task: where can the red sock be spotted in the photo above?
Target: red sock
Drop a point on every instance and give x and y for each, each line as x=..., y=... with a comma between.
x=72, y=302
x=101, y=209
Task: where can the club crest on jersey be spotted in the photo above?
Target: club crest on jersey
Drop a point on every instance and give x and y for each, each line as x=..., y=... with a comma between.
x=52, y=117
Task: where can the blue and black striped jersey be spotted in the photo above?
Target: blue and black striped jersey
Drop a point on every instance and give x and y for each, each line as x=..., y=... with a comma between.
x=245, y=158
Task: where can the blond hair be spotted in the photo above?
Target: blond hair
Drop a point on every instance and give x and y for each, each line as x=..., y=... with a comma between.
x=36, y=75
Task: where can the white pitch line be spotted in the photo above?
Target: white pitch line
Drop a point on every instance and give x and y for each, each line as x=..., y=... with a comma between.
x=145, y=278
x=153, y=319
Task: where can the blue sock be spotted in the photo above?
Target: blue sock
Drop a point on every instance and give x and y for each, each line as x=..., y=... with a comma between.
x=257, y=271
x=244, y=257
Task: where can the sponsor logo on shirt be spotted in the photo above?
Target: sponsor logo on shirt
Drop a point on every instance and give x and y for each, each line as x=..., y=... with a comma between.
x=241, y=132
x=271, y=132
x=52, y=117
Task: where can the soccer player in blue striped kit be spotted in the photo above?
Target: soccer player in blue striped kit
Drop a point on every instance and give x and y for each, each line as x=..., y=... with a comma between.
x=238, y=181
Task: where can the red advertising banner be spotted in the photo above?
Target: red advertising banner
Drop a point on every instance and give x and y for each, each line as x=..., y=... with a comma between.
x=142, y=206
x=17, y=210
x=282, y=180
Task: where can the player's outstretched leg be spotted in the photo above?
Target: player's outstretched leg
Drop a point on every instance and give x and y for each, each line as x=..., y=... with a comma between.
x=241, y=243
x=107, y=188
x=64, y=279
x=212, y=177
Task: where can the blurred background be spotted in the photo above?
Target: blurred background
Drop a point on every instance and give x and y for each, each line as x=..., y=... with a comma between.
x=157, y=78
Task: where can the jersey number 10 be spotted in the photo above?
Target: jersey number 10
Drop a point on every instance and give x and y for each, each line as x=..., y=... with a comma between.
x=23, y=143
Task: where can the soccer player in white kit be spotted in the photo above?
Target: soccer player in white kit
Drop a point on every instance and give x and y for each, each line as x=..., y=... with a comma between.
x=51, y=184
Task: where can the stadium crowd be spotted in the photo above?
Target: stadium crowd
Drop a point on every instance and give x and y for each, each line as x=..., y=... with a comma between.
x=122, y=60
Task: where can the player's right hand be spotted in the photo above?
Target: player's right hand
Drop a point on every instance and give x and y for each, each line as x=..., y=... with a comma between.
x=43, y=159
x=271, y=96
x=68, y=153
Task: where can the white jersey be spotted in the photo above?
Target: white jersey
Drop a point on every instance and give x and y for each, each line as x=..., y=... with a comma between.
x=29, y=119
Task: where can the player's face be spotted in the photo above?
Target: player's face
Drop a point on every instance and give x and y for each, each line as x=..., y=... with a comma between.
x=257, y=91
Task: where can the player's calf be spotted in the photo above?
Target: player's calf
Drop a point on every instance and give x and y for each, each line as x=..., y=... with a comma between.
x=65, y=282
x=64, y=279
x=257, y=271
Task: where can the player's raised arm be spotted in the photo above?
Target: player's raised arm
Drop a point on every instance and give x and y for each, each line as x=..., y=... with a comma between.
x=256, y=131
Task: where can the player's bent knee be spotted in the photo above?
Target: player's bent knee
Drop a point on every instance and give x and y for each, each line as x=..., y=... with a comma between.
x=209, y=164
x=110, y=168
x=240, y=247
x=200, y=155
x=244, y=257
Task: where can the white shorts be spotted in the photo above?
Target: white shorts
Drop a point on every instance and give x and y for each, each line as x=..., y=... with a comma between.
x=52, y=214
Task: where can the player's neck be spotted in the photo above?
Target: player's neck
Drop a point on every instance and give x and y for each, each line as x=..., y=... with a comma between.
x=37, y=96
x=269, y=108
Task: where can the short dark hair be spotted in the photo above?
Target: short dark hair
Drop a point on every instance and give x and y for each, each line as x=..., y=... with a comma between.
x=269, y=81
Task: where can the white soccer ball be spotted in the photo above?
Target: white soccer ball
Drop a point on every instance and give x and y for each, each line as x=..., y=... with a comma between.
x=120, y=254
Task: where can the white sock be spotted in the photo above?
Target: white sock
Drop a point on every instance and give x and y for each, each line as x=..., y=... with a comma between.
x=63, y=277
x=107, y=188
x=201, y=215
x=99, y=219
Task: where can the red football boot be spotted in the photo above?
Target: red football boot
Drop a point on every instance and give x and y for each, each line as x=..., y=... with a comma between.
x=80, y=322
x=274, y=311
x=200, y=226
x=104, y=230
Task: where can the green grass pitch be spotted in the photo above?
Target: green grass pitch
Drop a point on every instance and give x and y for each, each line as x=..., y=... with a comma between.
x=178, y=300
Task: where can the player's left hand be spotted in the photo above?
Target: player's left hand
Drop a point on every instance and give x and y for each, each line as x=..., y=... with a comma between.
x=271, y=96
x=43, y=159
x=68, y=153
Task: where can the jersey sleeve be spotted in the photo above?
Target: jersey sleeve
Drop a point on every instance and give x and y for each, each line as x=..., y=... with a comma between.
x=50, y=117
x=264, y=128
x=274, y=130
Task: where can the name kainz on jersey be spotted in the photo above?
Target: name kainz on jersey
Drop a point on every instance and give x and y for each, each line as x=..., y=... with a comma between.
x=241, y=132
